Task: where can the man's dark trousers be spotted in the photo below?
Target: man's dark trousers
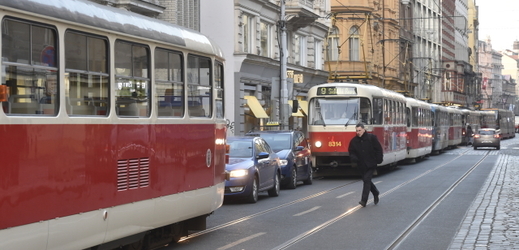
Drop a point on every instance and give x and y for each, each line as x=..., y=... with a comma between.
x=367, y=174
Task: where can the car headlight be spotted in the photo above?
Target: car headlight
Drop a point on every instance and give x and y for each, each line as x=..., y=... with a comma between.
x=239, y=173
x=283, y=162
x=318, y=144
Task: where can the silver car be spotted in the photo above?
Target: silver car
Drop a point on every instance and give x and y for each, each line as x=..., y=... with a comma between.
x=487, y=137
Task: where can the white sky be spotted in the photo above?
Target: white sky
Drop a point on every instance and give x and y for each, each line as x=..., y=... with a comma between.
x=499, y=19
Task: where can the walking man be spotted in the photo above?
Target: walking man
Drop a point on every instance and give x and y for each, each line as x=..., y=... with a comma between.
x=366, y=151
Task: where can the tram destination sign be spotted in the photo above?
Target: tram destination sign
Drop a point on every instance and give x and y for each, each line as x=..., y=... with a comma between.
x=336, y=91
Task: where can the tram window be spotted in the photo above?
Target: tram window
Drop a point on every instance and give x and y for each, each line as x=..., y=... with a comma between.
x=199, y=86
x=87, y=79
x=378, y=110
x=365, y=111
x=218, y=84
x=169, y=83
x=29, y=60
x=132, y=79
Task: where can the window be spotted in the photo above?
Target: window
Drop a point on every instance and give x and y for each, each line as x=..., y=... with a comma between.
x=248, y=31
x=86, y=78
x=299, y=50
x=378, y=110
x=30, y=59
x=265, y=40
x=218, y=85
x=132, y=79
x=333, y=44
x=169, y=83
x=354, y=43
x=199, y=86
x=318, y=50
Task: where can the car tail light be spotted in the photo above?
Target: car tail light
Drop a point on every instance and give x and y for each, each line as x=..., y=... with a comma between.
x=476, y=136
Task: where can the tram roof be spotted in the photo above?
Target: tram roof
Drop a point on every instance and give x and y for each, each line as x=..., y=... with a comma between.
x=118, y=20
x=371, y=89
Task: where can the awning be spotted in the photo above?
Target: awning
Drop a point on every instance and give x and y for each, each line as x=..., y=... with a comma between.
x=304, y=106
x=255, y=107
x=298, y=113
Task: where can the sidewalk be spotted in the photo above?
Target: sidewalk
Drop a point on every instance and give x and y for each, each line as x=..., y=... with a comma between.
x=492, y=221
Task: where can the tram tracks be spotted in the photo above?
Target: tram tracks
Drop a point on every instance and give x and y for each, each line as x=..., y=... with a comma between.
x=413, y=225
x=393, y=245
x=245, y=218
x=430, y=208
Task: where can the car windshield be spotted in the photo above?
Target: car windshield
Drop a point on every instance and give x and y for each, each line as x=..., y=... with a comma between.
x=240, y=149
x=486, y=132
x=278, y=142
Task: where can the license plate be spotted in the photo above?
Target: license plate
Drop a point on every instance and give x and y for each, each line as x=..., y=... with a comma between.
x=487, y=142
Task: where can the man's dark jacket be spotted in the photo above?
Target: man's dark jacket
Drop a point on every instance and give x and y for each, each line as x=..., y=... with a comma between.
x=366, y=151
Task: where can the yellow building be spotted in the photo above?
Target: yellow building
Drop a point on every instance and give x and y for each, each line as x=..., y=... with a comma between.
x=368, y=43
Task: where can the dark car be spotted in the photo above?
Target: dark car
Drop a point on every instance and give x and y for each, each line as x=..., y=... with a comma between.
x=292, y=149
x=253, y=167
x=487, y=137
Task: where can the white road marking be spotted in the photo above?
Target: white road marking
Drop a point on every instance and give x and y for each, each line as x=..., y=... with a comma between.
x=308, y=211
x=241, y=241
x=346, y=194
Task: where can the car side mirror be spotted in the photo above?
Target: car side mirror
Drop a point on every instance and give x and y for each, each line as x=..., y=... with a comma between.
x=263, y=155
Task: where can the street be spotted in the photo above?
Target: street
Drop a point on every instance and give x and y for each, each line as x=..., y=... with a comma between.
x=422, y=206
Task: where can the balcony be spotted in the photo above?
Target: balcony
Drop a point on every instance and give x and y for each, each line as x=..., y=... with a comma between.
x=300, y=13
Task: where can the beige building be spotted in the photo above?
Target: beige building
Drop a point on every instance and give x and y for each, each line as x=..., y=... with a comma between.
x=364, y=44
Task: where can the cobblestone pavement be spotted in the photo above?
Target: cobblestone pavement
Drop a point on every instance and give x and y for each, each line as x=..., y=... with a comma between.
x=492, y=221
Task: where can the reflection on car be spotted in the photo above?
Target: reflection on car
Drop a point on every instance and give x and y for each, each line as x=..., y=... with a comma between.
x=487, y=137
x=253, y=167
x=292, y=149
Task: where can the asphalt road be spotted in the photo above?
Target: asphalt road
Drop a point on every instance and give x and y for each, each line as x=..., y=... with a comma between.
x=421, y=207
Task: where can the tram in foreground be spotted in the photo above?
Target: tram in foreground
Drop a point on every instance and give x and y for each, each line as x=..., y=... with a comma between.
x=334, y=110
x=112, y=127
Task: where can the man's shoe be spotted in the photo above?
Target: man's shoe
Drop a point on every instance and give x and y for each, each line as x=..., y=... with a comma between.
x=376, y=199
x=362, y=203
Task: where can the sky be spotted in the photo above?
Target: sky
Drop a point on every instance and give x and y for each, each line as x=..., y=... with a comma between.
x=499, y=19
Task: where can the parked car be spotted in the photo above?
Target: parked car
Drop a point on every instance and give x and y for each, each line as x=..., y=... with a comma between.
x=292, y=148
x=253, y=167
x=487, y=137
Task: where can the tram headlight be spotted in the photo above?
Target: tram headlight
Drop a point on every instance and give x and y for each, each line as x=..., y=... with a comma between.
x=238, y=173
x=318, y=144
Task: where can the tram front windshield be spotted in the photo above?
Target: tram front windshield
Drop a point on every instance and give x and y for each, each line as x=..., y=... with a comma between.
x=334, y=111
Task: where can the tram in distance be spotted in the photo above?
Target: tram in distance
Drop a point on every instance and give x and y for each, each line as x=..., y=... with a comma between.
x=112, y=127
x=407, y=128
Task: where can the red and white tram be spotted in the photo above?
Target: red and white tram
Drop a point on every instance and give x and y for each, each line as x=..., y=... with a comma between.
x=335, y=109
x=419, y=128
x=440, y=128
x=455, y=127
x=111, y=124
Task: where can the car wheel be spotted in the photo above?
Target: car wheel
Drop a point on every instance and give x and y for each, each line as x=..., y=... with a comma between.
x=475, y=148
x=310, y=178
x=253, y=196
x=274, y=191
x=498, y=147
x=292, y=183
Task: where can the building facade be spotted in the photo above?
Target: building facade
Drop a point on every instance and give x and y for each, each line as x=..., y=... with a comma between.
x=251, y=43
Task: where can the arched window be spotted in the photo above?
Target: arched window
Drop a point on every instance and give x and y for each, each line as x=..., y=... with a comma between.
x=354, y=43
x=333, y=44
